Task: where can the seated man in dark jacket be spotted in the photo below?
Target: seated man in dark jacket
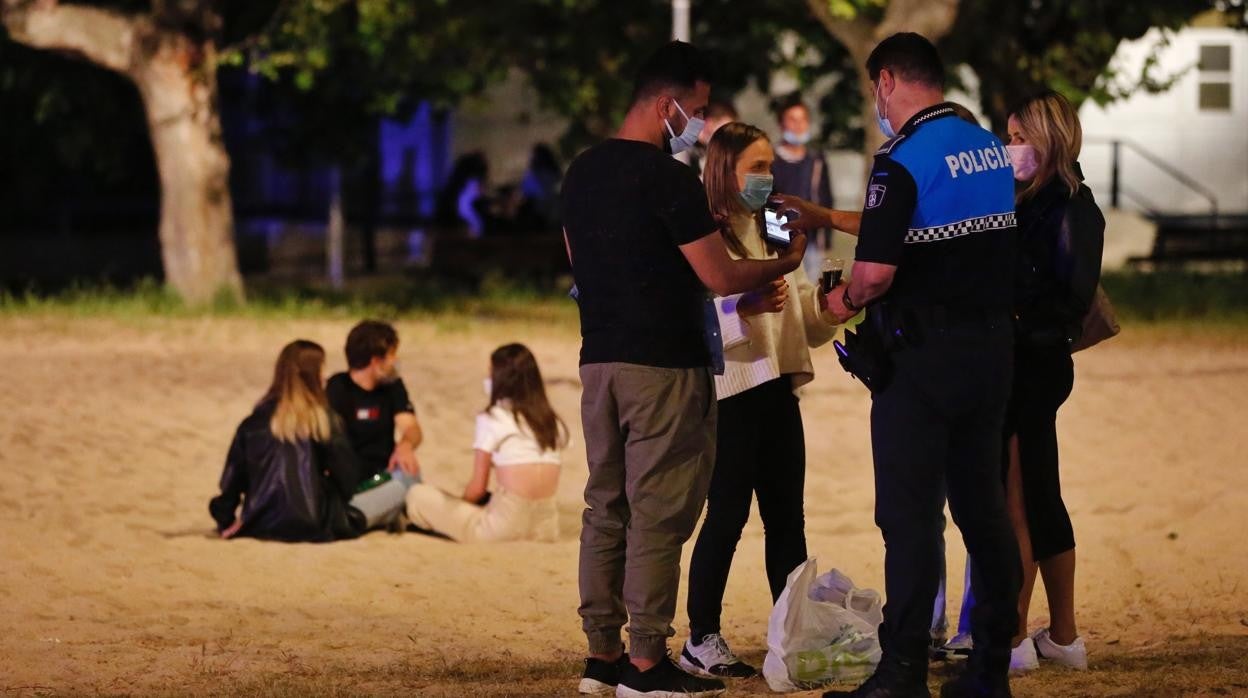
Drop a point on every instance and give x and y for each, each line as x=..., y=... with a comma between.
x=290, y=463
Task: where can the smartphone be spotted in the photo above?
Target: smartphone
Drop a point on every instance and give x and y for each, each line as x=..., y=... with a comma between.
x=773, y=231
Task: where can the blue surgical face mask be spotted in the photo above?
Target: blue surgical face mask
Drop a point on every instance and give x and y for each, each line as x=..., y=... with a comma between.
x=885, y=127
x=757, y=189
x=793, y=138
x=687, y=137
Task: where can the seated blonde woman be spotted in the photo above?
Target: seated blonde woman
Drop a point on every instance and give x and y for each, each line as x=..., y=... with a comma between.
x=519, y=438
x=290, y=471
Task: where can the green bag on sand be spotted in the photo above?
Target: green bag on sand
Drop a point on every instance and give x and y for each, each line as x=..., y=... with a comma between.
x=822, y=630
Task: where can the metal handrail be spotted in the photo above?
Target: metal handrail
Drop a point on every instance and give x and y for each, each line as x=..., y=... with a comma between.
x=1158, y=162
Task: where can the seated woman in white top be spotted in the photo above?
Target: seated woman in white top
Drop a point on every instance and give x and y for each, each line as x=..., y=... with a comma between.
x=520, y=438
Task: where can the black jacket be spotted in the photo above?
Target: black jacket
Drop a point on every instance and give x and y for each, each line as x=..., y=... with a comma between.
x=291, y=492
x=1061, y=238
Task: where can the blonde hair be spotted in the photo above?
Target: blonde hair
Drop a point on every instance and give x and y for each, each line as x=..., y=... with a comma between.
x=302, y=410
x=720, y=177
x=1050, y=124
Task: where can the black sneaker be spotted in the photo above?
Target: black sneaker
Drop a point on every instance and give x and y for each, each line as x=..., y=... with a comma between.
x=713, y=658
x=665, y=680
x=890, y=680
x=972, y=684
x=601, y=677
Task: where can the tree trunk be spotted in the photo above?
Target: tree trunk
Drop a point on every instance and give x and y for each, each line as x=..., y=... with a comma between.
x=177, y=81
x=931, y=18
x=335, y=235
x=179, y=87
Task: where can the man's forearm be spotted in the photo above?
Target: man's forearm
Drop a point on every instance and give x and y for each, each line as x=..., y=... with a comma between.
x=749, y=274
x=845, y=221
x=412, y=436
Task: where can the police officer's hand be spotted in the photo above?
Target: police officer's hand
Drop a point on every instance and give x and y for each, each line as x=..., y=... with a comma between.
x=834, y=303
x=768, y=299
x=801, y=214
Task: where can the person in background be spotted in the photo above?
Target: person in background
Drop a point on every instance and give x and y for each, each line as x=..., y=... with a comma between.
x=1062, y=234
x=463, y=204
x=519, y=438
x=801, y=170
x=644, y=250
x=373, y=404
x=717, y=114
x=761, y=448
x=290, y=465
x=539, y=189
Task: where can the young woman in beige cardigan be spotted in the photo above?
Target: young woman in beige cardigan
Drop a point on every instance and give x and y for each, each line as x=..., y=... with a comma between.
x=768, y=334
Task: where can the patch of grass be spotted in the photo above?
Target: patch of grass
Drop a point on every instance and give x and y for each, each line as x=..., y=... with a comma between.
x=380, y=297
x=1177, y=296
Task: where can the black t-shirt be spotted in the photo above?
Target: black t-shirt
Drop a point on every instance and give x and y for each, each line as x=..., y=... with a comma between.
x=368, y=416
x=628, y=206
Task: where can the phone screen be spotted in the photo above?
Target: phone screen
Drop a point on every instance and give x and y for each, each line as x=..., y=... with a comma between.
x=775, y=233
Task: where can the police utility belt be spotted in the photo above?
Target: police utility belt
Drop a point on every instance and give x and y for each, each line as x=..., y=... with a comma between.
x=889, y=327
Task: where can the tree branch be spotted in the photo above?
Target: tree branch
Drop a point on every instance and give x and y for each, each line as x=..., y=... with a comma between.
x=103, y=37
x=855, y=34
x=931, y=18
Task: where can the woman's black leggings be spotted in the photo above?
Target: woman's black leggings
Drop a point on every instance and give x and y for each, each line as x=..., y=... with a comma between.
x=761, y=449
x=1043, y=377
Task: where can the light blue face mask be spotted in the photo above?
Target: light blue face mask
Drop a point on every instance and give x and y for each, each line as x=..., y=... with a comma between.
x=796, y=138
x=757, y=189
x=687, y=137
x=885, y=127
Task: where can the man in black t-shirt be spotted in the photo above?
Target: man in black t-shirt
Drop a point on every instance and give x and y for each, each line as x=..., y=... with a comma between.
x=644, y=250
x=373, y=404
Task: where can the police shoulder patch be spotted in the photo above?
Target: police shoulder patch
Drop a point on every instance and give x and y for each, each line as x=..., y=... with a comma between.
x=875, y=195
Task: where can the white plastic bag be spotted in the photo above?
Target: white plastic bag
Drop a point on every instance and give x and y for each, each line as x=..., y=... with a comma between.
x=822, y=629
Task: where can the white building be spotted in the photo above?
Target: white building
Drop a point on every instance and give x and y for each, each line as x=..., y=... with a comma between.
x=1183, y=147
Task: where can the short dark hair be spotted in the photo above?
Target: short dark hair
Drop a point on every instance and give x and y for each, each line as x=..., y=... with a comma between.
x=910, y=56
x=792, y=100
x=368, y=339
x=676, y=64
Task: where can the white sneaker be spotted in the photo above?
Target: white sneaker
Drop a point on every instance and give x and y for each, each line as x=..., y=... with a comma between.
x=713, y=658
x=1074, y=655
x=959, y=647
x=1023, y=658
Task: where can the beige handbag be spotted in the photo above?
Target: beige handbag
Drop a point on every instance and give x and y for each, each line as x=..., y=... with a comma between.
x=1099, y=324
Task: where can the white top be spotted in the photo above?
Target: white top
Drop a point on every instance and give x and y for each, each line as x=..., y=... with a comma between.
x=764, y=347
x=508, y=440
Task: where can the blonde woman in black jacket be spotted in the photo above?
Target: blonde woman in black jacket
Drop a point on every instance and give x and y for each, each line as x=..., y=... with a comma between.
x=1061, y=236
x=290, y=466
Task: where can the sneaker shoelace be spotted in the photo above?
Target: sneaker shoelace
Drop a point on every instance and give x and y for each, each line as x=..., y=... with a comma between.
x=721, y=646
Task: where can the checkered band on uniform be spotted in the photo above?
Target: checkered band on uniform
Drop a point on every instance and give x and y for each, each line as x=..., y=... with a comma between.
x=996, y=221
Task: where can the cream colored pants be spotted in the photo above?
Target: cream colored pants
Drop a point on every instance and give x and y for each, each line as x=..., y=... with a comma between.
x=506, y=517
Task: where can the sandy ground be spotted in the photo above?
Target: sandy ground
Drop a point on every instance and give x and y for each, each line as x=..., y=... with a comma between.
x=111, y=582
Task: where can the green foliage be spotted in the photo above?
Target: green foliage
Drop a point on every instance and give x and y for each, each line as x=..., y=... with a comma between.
x=581, y=55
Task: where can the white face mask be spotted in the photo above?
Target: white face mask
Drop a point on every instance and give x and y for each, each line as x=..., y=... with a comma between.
x=488, y=386
x=1023, y=158
x=688, y=137
x=390, y=376
x=885, y=126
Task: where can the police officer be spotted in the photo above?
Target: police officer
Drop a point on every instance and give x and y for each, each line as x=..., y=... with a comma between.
x=933, y=269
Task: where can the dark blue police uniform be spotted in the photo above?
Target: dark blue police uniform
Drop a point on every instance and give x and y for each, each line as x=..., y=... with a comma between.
x=940, y=207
